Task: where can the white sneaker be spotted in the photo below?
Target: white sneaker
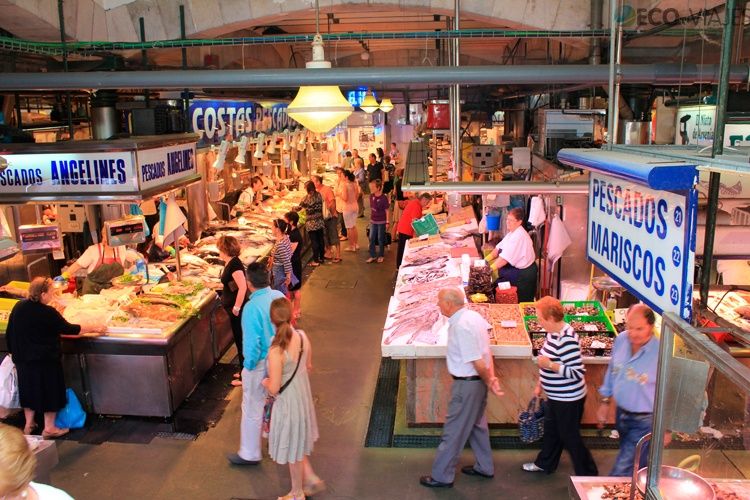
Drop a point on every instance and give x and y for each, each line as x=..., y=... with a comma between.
x=531, y=467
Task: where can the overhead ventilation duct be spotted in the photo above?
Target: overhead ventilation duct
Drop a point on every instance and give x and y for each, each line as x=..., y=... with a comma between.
x=103, y=114
x=595, y=54
x=639, y=100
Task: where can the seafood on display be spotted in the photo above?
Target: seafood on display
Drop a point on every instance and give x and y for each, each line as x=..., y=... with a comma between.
x=506, y=321
x=433, y=262
x=411, y=322
x=424, y=276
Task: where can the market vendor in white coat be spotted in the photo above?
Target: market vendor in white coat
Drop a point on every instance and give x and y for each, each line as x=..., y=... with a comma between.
x=102, y=263
x=514, y=257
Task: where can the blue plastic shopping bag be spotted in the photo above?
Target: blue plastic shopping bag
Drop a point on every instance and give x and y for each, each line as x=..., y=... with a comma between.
x=72, y=416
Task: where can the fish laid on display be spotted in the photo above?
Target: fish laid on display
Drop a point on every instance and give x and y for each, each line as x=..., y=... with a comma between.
x=423, y=261
x=412, y=324
x=412, y=291
x=425, y=276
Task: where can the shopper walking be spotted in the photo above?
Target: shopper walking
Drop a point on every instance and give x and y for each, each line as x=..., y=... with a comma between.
x=330, y=223
x=294, y=427
x=33, y=337
x=234, y=293
x=292, y=218
x=389, y=173
x=374, y=169
x=412, y=211
x=470, y=364
x=314, y=224
x=257, y=334
x=631, y=380
x=338, y=191
x=18, y=466
x=561, y=374
x=360, y=174
x=350, y=197
x=282, y=275
x=399, y=202
x=379, y=221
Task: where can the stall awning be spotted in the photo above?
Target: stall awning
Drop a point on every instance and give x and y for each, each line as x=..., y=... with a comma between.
x=671, y=175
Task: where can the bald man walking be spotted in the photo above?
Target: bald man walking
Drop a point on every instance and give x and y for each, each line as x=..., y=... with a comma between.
x=631, y=380
x=470, y=364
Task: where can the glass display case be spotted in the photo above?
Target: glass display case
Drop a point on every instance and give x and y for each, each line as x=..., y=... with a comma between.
x=702, y=414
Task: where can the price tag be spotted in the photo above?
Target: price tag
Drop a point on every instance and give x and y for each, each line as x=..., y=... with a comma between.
x=597, y=344
x=508, y=323
x=58, y=255
x=590, y=328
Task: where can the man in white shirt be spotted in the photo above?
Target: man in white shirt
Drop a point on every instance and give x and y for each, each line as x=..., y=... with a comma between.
x=470, y=364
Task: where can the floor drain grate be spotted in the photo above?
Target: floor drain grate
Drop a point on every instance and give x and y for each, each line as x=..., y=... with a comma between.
x=341, y=284
x=383, y=413
x=182, y=436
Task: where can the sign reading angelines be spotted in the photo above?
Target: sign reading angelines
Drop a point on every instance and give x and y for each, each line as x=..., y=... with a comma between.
x=645, y=239
x=101, y=173
x=68, y=172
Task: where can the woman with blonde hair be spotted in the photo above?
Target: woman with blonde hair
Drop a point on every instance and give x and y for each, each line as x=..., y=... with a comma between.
x=33, y=336
x=17, y=468
x=294, y=427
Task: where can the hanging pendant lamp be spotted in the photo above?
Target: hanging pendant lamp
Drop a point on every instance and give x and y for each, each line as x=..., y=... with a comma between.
x=319, y=108
x=271, y=149
x=386, y=105
x=259, y=145
x=369, y=103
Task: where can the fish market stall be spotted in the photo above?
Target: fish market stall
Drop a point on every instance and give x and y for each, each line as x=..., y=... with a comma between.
x=416, y=332
x=160, y=339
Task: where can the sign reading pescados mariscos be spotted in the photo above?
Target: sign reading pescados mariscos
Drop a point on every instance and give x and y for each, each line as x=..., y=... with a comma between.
x=645, y=239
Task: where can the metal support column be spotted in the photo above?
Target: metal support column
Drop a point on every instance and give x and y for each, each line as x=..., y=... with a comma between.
x=612, y=101
x=68, y=103
x=144, y=57
x=717, y=149
x=185, y=93
x=455, y=99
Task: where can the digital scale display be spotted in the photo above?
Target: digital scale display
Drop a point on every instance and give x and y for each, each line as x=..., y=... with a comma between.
x=38, y=238
x=128, y=231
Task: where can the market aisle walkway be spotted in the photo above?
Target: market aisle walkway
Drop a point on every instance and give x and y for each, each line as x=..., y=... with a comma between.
x=344, y=306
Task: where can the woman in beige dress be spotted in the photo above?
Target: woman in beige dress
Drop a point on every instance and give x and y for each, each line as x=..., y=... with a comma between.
x=294, y=428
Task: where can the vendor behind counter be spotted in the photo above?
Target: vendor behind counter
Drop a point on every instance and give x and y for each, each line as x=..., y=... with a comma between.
x=102, y=263
x=514, y=257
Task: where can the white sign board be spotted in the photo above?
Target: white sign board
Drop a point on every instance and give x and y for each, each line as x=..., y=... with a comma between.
x=645, y=239
x=160, y=166
x=68, y=173
x=695, y=126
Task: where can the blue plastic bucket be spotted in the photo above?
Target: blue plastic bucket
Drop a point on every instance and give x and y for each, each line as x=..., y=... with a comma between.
x=493, y=222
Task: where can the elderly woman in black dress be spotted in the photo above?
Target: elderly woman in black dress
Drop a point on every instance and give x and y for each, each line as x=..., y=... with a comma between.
x=33, y=336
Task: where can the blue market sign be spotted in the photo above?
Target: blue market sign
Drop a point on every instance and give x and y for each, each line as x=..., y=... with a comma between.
x=215, y=119
x=645, y=239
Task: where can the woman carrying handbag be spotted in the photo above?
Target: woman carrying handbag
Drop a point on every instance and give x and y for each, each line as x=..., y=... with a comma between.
x=293, y=426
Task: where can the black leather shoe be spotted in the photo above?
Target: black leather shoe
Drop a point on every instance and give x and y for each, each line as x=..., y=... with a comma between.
x=469, y=470
x=235, y=459
x=431, y=483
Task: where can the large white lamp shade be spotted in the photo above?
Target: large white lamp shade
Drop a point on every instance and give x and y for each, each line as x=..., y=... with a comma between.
x=386, y=105
x=319, y=108
x=369, y=103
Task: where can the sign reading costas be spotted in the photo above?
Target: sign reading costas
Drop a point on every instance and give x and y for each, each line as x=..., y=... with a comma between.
x=215, y=119
x=159, y=166
x=645, y=239
x=68, y=173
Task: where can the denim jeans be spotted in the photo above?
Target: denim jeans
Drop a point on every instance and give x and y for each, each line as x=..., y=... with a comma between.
x=631, y=428
x=377, y=237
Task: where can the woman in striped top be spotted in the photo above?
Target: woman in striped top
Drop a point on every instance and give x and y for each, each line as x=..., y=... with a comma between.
x=281, y=268
x=561, y=374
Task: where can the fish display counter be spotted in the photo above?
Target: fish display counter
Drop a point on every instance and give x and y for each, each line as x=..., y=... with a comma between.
x=416, y=332
x=157, y=347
